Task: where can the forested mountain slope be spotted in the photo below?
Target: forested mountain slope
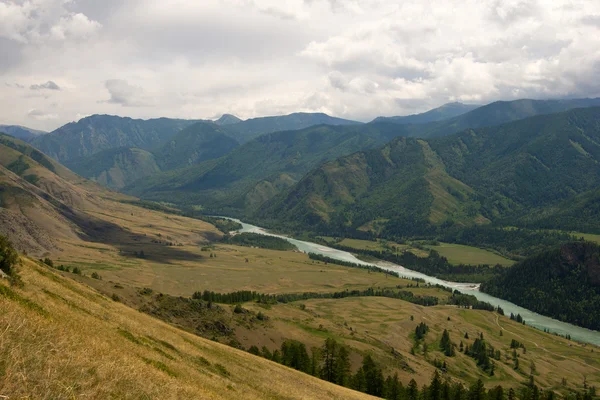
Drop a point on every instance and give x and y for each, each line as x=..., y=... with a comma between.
x=116, y=168
x=96, y=133
x=473, y=177
x=562, y=283
x=21, y=132
x=446, y=111
x=256, y=171
x=247, y=130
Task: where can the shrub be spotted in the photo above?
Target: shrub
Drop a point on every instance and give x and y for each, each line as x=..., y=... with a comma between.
x=49, y=262
x=238, y=309
x=8, y=256
x=96, y=275
x=77, y=271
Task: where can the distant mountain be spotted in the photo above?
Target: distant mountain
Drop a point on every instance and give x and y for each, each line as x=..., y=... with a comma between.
x=247, y=130
x=21, y=132
x=96, y=133
x=228, y=119
x=199, y=142
x=116, y=168
x=412, y=186
x=563, y=284
x=497, y=113
x=446, y=111
x=249, y=175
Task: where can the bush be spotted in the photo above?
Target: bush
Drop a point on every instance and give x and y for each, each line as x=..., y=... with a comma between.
x=49, y=262
x=77, y=270
x=8, y=256
x=96, y=275
x=238, y=309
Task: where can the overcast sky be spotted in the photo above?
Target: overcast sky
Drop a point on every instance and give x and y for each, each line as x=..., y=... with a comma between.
x=64, y=59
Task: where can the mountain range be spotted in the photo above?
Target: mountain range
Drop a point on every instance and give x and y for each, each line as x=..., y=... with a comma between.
x=519, y=171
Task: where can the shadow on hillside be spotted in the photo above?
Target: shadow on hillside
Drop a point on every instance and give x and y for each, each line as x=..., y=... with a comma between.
x=130, y=244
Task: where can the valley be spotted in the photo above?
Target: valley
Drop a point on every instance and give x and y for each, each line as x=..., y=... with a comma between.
x=394, y=237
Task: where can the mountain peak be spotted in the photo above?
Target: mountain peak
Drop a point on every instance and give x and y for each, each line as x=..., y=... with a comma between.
x=228, y=119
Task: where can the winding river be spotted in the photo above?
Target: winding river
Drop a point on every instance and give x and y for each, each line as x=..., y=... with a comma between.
x=531, y=318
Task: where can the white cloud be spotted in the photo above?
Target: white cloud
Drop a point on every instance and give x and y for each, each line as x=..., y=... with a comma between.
x=353, y=58
x=41, y=115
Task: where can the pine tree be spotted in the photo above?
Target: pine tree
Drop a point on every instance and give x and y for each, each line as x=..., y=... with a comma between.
x=342, y=367
x=329, y=353
x=412, y=391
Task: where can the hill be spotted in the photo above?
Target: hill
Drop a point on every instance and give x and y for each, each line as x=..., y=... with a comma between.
x=414, y=187
x=116, y=168
x=21, y=132
x=73, y=342
x=245, y=178
x=247, y=130
x=563, y=283
x=96, y=133
x=45, y=208
x=446, y=111
x=199, y=142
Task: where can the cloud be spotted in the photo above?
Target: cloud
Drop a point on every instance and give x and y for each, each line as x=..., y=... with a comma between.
x=41, y=115
x=121, y=92
x=50, y=85
x=353, y=58
x=40, y=21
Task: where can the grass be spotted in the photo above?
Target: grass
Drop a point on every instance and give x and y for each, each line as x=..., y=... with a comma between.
x=376, y=325
x=455, y=253
x=75, y=354
x=460, y=254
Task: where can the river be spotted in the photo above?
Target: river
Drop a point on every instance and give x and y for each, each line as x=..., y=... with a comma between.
x=531, y=318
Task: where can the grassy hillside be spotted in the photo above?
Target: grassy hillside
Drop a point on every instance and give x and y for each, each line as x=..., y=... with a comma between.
x=96, y=133
x=116, y=168
x=419, y=187
x=562, y=283
x=62, y=340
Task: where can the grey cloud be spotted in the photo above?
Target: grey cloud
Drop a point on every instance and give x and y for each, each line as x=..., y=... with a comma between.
x=50, y=85
x=593, y=20
x=121, y=92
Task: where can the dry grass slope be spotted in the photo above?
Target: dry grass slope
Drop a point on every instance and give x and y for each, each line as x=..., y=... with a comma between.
x=61, y=340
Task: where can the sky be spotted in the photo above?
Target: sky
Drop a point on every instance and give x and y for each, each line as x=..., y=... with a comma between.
x=62, y=60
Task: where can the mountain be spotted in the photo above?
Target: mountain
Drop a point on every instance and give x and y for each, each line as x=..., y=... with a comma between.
x=497, y=113
x=563, y=284
x=38, y=198
x=446, y=111
x=21, y=132
x=413, y=186
x=116, y=168
x=228, y=119
x=96, y=133
x=199, y=142
x=247, y=130
x=246, y=177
